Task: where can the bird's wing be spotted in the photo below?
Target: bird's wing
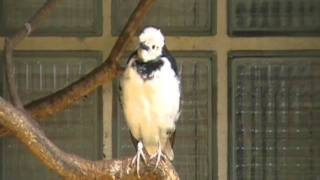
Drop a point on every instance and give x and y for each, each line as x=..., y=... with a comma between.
x=172, y=138
x=168, y=146
x=132, y=56
x=134, y=141
x=166, y=53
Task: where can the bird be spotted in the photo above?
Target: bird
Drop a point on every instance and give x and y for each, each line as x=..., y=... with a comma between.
x=150, y=97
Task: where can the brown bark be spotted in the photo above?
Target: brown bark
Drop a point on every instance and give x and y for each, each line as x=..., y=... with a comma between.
x=68, y=165
x=63, y=98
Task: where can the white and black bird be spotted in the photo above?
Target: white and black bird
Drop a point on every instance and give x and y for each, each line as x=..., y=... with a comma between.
x=150, y=95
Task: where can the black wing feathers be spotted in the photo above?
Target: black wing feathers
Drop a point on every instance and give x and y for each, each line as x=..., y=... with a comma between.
x=167, y=54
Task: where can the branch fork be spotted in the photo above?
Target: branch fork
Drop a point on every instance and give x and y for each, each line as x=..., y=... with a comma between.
x=18, y=119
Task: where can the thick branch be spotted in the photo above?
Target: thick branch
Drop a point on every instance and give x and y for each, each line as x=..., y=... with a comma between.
x=63, y=98
x=68, y=165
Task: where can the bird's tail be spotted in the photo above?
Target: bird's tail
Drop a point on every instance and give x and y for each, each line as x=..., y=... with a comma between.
x=167, y=150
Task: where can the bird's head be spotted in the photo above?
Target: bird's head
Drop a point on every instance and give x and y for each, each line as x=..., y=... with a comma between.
x=151, y=42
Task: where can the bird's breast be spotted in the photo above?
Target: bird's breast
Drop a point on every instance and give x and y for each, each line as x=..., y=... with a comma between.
x=152, y=103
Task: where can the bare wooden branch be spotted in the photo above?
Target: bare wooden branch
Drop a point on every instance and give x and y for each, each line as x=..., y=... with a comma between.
x=9, y=74
x=68, y=165
x=39, y=17
x=63, y=98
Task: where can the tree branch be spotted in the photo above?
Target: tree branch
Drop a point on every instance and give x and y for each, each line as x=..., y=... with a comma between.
x=40, y=16
x=68, y=165
x=11, y=43
x=10, y=77
x=63, y=98
x=58, y=101
x=28, y=132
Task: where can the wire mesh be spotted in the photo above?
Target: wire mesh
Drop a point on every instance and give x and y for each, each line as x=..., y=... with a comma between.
x=69, y=18
x=274, y=17
x=275, y=105
x=76, y=129
x=181, y=17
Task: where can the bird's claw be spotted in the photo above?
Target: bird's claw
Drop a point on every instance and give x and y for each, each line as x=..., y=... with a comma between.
x=158, y=155
x=137, y=157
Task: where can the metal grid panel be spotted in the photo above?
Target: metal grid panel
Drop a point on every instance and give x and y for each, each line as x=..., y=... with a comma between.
x=76, y=129
x=274, y=17
x=195, y=133
x=274, y=125
x=178, y=17
x=69, y=18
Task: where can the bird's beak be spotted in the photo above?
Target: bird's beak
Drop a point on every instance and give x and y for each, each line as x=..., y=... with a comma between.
x=144, y=46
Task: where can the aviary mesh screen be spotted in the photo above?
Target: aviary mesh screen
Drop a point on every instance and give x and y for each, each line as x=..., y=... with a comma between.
x=69, y=18
x=178, y=17
x=76, y=130
x=274, y=17
x=274, y=111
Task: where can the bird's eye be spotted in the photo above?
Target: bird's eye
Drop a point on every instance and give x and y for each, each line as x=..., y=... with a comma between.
x=153, y=46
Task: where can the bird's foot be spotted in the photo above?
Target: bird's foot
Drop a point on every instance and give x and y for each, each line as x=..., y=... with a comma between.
x=158, y=155
x=137, y=157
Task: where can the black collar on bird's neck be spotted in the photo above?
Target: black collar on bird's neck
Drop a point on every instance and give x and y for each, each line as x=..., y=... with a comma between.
x=146, y=69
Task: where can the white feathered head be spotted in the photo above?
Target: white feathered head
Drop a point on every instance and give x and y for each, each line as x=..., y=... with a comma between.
x=151, y=42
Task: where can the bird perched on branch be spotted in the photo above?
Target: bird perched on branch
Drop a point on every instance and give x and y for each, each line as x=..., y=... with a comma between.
x=150, y=95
